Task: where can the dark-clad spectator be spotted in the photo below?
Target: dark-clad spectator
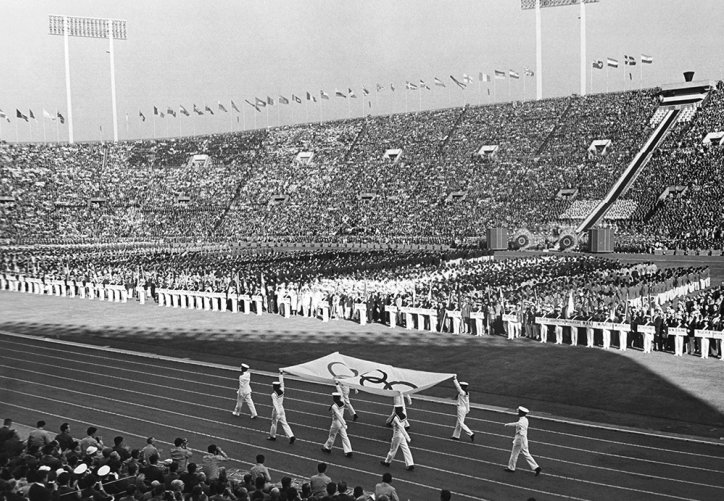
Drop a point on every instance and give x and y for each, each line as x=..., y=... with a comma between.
x=64, y=491
x=10, y=444
x=342, y=492
x=445, y=495
x=191, y=478
x=64, y=438
x=120, y=447
x=152, y=471
x=38, y=490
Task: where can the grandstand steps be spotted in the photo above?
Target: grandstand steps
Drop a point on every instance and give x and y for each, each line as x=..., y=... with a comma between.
x=450, y=134
x=561, y=119
x=357, y=139
x=632, y=171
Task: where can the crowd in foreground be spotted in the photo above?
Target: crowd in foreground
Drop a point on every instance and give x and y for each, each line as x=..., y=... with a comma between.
x=52, y=466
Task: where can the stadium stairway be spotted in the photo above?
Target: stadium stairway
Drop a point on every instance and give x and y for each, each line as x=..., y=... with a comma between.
x=448, y=137
x=632, y=171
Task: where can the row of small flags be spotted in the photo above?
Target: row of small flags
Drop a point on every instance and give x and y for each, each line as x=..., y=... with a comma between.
x=627, y=60
x=31, y=116
x=259, y=103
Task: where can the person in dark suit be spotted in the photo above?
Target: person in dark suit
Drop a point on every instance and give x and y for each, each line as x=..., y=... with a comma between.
x=38, y=490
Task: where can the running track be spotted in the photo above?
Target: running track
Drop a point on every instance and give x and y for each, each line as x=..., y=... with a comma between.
x=139, y=396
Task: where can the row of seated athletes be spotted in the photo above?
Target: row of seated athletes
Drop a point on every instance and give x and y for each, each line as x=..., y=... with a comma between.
x=62, y=470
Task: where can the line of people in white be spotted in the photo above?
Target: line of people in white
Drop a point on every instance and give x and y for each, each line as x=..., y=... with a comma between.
x=398, y=421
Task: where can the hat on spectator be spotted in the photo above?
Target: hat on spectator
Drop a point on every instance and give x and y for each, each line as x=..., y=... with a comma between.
x=59, y=471
x=244, y=366
x=336, y=394
x=80, y=469
x=44, y=468
x=92, y=449
x=104, y=470
x=168, y=461
x=276, y=383
x=523, y=409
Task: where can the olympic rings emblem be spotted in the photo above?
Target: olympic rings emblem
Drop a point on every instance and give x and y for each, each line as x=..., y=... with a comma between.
x=368, y=377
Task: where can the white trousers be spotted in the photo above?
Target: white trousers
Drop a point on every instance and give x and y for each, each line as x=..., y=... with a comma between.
x=589, y=337
x=334, y=430
x=606, y=339
x=240, y=399
x=559, y=334
x=279, y=419
x=574, y=336
x=401, y=443
x=520, y=445
x=460, y=424
x=622, y=340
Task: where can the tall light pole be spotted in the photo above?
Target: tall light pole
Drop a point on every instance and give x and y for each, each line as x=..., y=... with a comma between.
x=538, y=5
x=88, y=27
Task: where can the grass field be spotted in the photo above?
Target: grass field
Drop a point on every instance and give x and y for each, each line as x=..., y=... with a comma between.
x=656, y=391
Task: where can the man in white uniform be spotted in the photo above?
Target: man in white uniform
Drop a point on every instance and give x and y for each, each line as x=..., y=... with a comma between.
x=339, y=426
x=344, y=390
x=244, y=393
x=520, y=443
x=278, y=414
x=400, y=439
x=463, y=410
x=399, y=401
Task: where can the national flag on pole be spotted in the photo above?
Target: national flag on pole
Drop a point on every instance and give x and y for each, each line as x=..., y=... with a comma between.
x=30, y=113
x=339, y=93
x=283, y=100
x=234, y=107
x=141, y=116
x=309, y=96
x=170, y=111
x=499, y=75
x=222, y=107
x=365, y=91
x=207, y=108
x=252, y=105
x=629, y=60
x=424, y=85
x=646, y=59
x=598, y=64
x=323, y=94
x=351, y=93
x=484, y=77
x=161, y=114
x=47, y=115
x=613, y=63
x=296, y=99
x=513, y=74
x=183, y=110
x=467, y=79
x=260, y=102
x=392, y=87
x=438, y=82
x=197, y=110
x=269, y=101
x=528, y=72
x=410, y=86
x=155, y=110
x=3, y=114
x=61, y=118
x=457, y=82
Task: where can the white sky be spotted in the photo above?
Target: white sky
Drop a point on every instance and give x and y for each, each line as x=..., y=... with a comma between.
x=201, y=51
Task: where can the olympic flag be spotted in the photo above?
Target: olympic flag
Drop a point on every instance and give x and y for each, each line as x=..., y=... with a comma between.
x=365, y=375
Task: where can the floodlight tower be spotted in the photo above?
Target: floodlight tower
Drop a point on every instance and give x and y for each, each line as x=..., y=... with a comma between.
x=537, y=5
x=88, y=27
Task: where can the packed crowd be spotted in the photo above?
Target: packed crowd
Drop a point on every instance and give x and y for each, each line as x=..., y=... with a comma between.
x=154, y=189
x=379, y=281
x=62, y=467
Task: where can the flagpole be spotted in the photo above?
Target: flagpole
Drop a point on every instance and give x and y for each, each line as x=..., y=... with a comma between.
x=590, y=91
x=583, y=48
x=641, y=76
x=66, y=28
x=524, y=95
x=45, y=139
x=154, y=126
x=607, y=66
x=406, y=89
x=480, y=92
x=538, y=53
x=17, y=135
x=57, y=127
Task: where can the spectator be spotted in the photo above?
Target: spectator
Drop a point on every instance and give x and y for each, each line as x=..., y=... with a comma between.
x=385, y=488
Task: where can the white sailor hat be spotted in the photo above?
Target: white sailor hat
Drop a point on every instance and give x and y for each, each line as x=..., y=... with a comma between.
x=244, y=366
x=45, y=467
x=92, y=449
x=80, y=469
x=523, y=409
x=463, y=383
x=59, y=471
x=104, y=470
x=276, y=383
x=336, y=394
